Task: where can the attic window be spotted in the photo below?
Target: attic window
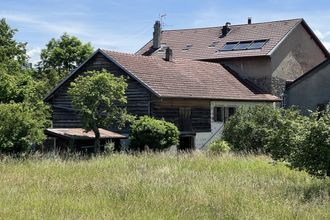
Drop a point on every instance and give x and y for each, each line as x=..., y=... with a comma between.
x=188, y=46
x=244, y=45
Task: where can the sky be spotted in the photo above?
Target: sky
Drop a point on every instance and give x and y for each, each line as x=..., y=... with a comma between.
x=125, y=26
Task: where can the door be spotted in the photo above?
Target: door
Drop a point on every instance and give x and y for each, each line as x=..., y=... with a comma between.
x=185, y=123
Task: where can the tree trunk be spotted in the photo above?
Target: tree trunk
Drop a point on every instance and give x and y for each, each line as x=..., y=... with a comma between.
x=97, y=140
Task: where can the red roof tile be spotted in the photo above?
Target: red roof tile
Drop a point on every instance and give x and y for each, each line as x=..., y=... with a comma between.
x=202, y=38
x=184, y=78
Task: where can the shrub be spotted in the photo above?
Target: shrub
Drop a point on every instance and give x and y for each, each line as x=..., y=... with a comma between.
x=219, y=147
x=22, y=125
x=313, y=154
x=265, y=129
x=250, y=128
x=152, y=133
x=289, y=132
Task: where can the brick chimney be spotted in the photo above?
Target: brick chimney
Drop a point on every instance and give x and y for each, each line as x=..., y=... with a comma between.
x=157, y=35
x=169, y=54
x=225, y=29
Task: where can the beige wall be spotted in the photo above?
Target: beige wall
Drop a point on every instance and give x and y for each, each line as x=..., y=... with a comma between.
x=294, y=56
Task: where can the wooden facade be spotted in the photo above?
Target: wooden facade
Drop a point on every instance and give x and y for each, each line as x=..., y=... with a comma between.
x=190, y=115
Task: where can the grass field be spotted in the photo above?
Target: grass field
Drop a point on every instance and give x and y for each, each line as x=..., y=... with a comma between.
x=160, y=186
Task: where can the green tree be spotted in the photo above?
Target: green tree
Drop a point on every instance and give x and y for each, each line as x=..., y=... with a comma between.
x=10, y=50
x=64, y=54
x=99, y=97
x=22, y=125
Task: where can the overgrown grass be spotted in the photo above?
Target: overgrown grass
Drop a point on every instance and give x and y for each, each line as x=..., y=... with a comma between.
x=160, y=186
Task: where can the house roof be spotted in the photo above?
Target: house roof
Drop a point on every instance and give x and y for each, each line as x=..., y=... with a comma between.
x=80, y=134
x=182, y=78
x=309, y=73
x=201, y=39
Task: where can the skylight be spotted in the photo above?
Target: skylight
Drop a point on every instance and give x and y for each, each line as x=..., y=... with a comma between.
x=188, y=46
x=229, y=46
x=244, y=45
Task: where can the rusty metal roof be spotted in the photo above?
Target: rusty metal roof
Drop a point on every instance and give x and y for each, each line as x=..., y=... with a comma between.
x=80, y=133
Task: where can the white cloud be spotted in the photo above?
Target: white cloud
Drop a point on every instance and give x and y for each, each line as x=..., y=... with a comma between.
x=34, y=55
x=42, y=25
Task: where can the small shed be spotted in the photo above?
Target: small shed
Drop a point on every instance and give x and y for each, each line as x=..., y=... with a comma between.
x=80, y=140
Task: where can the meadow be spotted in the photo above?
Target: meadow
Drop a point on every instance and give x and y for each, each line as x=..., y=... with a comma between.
x=159, y=186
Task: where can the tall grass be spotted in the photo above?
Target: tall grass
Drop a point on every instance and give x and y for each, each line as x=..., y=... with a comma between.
x=159, y=186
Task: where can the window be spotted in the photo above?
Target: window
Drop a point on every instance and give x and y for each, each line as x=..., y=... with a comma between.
x=244, y=45
x=222, y=114
x=188, y=46
x=229, y=46
x=258, y=44
x=218, y=114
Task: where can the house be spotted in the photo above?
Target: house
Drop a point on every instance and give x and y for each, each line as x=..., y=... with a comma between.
x=196, y=96
x=266, y=54
x=311, y=91
x=196, y=78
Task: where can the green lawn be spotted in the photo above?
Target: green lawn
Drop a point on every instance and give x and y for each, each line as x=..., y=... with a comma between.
x=163, y=186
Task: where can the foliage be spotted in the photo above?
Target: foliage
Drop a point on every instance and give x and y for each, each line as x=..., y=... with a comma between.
x=152, y=133
x=250, y=128
x=159, y=186
x=314, y=153
x=22, y=125
x=65, y=54
x=289, y=132
x=99, y=97
x=218, y=147
x=10, y=49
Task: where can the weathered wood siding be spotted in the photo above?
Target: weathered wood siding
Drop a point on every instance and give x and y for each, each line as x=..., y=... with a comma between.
x=138, y=97
x=169, y=110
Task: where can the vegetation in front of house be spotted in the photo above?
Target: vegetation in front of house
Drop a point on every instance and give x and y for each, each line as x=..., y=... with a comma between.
x=154, y=134
x=286, y=135
x=22, y=126
x=99, y=97
x=160, y=186
x=218, y=147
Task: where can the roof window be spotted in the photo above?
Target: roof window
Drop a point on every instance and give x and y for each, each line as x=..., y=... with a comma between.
x=244, y=45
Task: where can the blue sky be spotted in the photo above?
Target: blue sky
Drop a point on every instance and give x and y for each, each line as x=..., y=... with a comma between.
x=126, y=26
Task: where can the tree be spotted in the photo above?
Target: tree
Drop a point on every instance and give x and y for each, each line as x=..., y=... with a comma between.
x=64, y=54
x=22, y=125
x=99, y=97
x=10, y=50
x=152, y=133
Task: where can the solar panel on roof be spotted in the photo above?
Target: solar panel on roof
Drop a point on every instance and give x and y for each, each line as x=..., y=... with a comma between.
x=229, y=46
x=257, y=44
x=243, y=45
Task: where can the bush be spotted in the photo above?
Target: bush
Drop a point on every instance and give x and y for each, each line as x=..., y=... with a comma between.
x=289, y=132
x=265, y=129
x=250, y=128
x=218, y=147
x=22, y=125
x=313, y=154
x=152, y=133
